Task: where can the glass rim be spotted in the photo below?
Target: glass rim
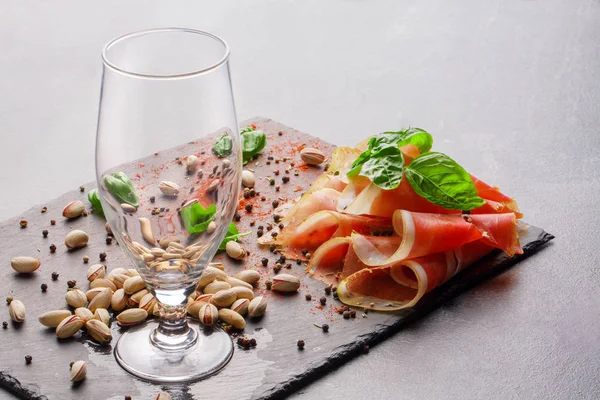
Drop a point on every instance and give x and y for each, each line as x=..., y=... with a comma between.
x=114, y=67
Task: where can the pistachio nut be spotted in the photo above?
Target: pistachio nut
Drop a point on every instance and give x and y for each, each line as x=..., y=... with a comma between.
x=238, y=282
x=128, y=208
x=148, y=302
x=191, y=163
x=76, y=298
x=167, y=240
x=119, y=300
x=248, y=179
x=51, y=319
x=193, y=308
x=138, y=296
x=69, y=326
x=243, y=292
x=213, y=186
x=107, y=228
x=312, y=156
x=24, y=264
x=78, y=371
x=249, y=276
x=16, y=310
x=90, y=294
x=119, y=279
x=98, y=330
x=133, y=316
x=133, y=284
x=74, y=209
x=96, y=271
x=116, y=271
x=235, y=250
x=76, y=239
x=163, y=396
x=146, y=228
x=257, y=307
x=84, y=313
x=232, y=318
x=101, y=300
x=209, y=275
x=102, y=314
x=103, y=283
x=212, y=226
x=224, y=298
x=216, y=286
x=169, y=188
x=157, y=252
x=208, y=314
x=240, y=306
x=132, y=272
x=285, y=283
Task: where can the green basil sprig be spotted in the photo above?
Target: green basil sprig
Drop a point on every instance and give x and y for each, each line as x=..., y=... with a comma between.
x=94, y=198
x=384, y=168
x=223, y=145
x=253, y=141
x=440, y=179
x=120, y=186
x=232, y=234
x=196, y=218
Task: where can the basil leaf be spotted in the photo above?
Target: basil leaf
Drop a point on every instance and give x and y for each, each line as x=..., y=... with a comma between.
x=418, y=137
x=357, y=164
x=385, y=168
x=253, y=141
x=232, y=234
x=196, y=218
x=223, y=145
x=442, y=181
x=94, y=198
x=120, y=186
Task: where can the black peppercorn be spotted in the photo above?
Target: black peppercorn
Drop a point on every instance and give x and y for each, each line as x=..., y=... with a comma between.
x=301, y=344
x=352, y=314
x=71, y=284
x=325, y=328
x=55, y=276
x=281, y=226
x=44, y=287
x=252, y=342
x=285, y=179
x=259, y=233
x=237, y=217
x=304, y=251
x=52, y=222
x=28, y=358
x=328, y=290
x=265, y=262
x=308, y=297
x=346, y=314
x=248, y=207
x=52, y=248
x=268, y=285
x=275, y=203
x=274, y=234
x=152, y=199
x=298, y=261
x=45, y=233
x=4, y=325
x=108, y=240
x=323, y=300
x=102, y=256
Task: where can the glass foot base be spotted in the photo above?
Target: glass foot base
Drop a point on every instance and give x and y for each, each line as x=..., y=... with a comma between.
x=136, y=354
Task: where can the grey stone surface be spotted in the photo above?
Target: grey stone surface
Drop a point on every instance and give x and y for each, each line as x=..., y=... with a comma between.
x=509, y=88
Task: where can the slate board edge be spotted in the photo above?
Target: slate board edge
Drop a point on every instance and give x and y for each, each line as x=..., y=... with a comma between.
x=345, y=353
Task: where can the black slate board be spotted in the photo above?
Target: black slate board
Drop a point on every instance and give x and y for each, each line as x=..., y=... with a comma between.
x=273, y=370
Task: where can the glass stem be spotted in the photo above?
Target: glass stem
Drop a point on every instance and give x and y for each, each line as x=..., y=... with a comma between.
x=173, y=333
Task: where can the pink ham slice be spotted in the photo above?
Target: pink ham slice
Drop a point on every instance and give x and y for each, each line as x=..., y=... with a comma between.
x=402, y=284
x=421, y=234
x=312, y=202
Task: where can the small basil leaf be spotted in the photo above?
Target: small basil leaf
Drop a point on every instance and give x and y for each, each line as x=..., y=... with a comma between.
x=94, y=198
x=357, y=164
x=418, y=137
x=120, y=186
x=223, y=145
x=253, y=141
x=196, y=218
x=232, y=234
x=443, y=182
x=385, y=168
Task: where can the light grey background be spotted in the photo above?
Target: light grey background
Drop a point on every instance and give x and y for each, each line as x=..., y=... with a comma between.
x=509, y=88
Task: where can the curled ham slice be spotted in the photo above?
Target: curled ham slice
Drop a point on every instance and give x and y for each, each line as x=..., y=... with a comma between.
x=321, y=199
x=402, y=284
x=341, y=161
x=324, y=225
x=421, y=234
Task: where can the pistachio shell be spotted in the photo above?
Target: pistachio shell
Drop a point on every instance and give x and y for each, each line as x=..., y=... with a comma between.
x=238, y=282
x=76, y=298
x=25, y=265
x=51, y=319
x=78, y=371
x=191, y=163
x=102, y=314
x=235, y=250
x=285, y=283
x=103, y=283
x=208, y=314
x=133, y=316
x=96, y=271
x=119, y=279
x=164, y=242
x=101, y=300
x=119, y=300
x=163, y=396
x=215, y=286
x=90, y=294
x=243, y=292
x=312, y=156
x=249, y=276
x=69, y=326
x=193, y=308
x=257, y=307
x=248, y=179
x=224, y=298
x=98, y=330
x=169, y=188
x=148, y=302
x=74, y=209
x=76, y=239
x=232, y=318
x=240, y=306
x=209, y=275
x=16, y=310
x=133, y=284
x=84, y=313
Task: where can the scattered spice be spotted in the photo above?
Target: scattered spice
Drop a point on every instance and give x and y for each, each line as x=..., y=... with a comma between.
x=308, y=297
x=44, y=287
x=285, y=179
x=28, y=359
x=45, y=233
x=252, y=223
x=304, y=252
x=152, y=199
x=274, y=234
x=9, y=299
x=298, y=261
x=280, y=226
x=325, y=328
x=265, y=262
x=52, y=222
x=52, y=248
x=352, y=314
x=277, y=268
x=307, y=255
x=269, y=227
x=248, y=207
x=280, y=133
x=276, y=172
x=252, y=342
x=328, y=290
x=323, y=300
x=44, y=209
x=108, y=240
x=55, y=276
x=81, y=189
x=237, y=217
x=277, y=188
x=86, y=259
x=275, y=203
x=346, y=314
x=4, y=325
x=276, y=217
x=301, y=344
x=23, y=223
x=102, y=256
x=259, y=232
x=71, y=283
x=128, y=398
x=268, y=285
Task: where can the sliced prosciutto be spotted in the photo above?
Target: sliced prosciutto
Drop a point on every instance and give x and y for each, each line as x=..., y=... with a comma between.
x=402, y=284
x=421, y=234
x=310, y=203
x=324, y=225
